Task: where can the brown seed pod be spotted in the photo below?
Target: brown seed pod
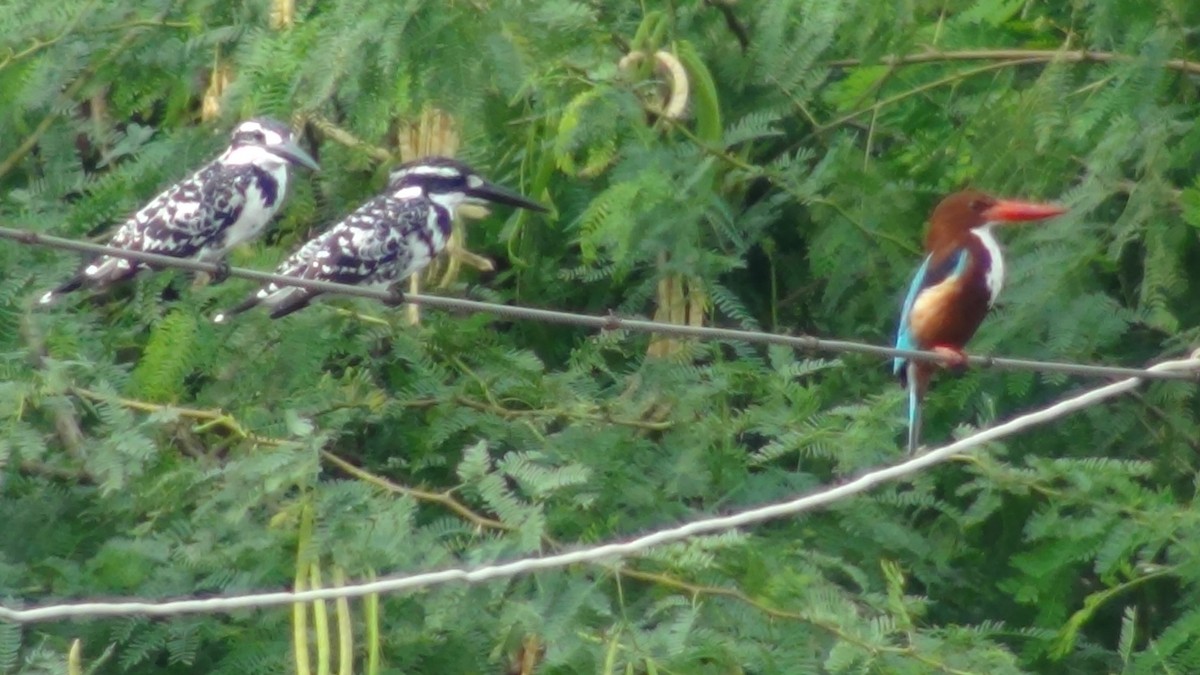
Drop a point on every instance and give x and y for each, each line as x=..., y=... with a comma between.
x=283, y=14
x=218, y=82
x=435, y=132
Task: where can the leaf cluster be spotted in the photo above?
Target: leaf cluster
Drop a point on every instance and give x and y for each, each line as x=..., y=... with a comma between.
x=147, y=452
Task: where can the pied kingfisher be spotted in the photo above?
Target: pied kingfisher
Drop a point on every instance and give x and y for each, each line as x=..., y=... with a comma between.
x=228, y=201
x=388, y=238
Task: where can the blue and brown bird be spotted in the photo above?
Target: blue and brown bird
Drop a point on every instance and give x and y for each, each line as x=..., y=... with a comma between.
x=226, y=202
x=956, y=286
x=388, y=238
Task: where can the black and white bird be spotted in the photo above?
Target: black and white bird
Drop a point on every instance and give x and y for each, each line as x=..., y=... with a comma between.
x=228, y=201
x=390, y=237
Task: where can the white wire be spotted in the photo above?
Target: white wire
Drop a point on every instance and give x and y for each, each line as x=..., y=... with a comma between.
x=597, y=553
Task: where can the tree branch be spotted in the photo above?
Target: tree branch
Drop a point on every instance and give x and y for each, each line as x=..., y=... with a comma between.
x=940, y=82
x=219, y=418
x=441, y=498
x=1013, y=55
x=509, y=413
x=85, y=77
x=699, y=590
x=340, y=135
x=39, y=44
x=209, y=418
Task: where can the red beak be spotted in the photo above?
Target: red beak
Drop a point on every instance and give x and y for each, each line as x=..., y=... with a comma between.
x=1011, y=211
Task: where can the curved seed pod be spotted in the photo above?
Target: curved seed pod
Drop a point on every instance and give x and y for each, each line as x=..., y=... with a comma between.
x=674, y=96
x=706, y=107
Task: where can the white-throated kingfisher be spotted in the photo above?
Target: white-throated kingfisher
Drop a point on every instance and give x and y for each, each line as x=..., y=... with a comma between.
x=955, y=287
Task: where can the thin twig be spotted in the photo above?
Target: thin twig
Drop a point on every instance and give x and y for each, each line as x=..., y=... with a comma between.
x=699, y=590
x=940, y=82
x=223, y=420
x=340, y=135
x=441, y=498
x=510, y=413
x=39, y=44
x=214, y=418
x=1017, y=55
x=85, y=77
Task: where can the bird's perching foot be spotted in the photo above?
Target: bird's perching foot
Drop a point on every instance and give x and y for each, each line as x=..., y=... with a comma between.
x=221, y=273
x=395, y=296
x=956, y=359
x=205, y=278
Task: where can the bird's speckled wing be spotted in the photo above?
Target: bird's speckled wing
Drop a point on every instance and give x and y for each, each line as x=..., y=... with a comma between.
x=360, y=249
x=382, y=242
x=176, y=223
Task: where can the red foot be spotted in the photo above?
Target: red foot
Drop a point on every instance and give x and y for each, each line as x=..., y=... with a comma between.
x=956, y=359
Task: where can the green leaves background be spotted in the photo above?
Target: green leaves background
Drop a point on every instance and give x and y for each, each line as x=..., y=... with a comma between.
x=146, y=452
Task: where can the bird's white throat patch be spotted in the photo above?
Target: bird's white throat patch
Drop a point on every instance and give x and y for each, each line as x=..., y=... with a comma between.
x=450, y=201
x=995, y=271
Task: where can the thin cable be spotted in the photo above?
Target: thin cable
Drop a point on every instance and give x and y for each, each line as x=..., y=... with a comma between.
x=598, y=553
x=609, y=322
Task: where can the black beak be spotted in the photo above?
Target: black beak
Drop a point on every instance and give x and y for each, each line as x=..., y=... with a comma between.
x=294, y=154
x=487, y=192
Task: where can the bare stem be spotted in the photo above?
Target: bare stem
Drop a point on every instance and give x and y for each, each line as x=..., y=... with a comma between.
x=1014, y=55
x=441, y=498
x=340, y=135
x=221, y=419
x=699, y=590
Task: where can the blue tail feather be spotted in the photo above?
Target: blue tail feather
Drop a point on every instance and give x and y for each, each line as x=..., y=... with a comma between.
x=914, y=408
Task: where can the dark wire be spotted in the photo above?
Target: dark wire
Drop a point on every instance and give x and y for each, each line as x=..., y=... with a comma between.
x=606, y=322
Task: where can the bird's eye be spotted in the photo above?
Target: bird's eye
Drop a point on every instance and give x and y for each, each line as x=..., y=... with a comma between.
x=979, y=205
x=257, y=136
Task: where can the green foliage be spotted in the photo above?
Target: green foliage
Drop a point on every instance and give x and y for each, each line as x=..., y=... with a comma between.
x=166, y=359
x=146, y=452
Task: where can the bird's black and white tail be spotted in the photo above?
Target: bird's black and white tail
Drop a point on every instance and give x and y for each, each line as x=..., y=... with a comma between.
x=70, y=285
x=280, y=303
x=243, y=306
x=98, y=274
x=294, y=301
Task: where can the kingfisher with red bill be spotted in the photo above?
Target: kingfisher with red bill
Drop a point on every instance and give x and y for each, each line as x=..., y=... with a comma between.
x=955, y=286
